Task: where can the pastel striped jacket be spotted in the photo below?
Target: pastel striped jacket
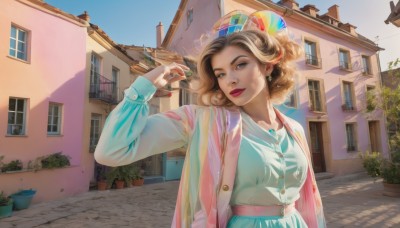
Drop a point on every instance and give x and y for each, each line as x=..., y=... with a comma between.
x=212, y=136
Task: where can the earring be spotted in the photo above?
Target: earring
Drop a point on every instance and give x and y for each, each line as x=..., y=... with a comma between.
x=269, y=78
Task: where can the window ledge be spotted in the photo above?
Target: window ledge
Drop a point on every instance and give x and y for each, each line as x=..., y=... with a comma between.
x=36, y=170
x=318, y=112
x=59, y=135
x=17, y=59
x=314, y=66
x=345, y=69
x=17, y=136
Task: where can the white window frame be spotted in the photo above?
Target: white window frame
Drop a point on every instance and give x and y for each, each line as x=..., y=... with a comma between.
x=18, y=42
x=51, y=122
x=351, y=140
x=95, y=119
x=12, y=128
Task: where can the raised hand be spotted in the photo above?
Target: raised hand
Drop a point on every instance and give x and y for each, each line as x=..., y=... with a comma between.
x=165, y=74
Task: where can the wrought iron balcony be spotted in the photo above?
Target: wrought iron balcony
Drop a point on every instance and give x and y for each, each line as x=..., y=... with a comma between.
x=103, y=89
x=313, y=60
x=344, y=65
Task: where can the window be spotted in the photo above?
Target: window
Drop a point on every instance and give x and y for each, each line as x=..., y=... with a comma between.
x=370, y=98
x=344, y=58
x=94, y=131
x=315, y=95
x=366, y=70
x=311, y=53
x=54, y=119
x=348, y=96
x=16, y=116
x=189, y=17
x=291, y=100
x=95, y=69
x=351, y=137
x=115, y=80
x=18, y=43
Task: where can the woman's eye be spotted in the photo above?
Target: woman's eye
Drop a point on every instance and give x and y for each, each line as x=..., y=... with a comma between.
x=240, y=66
x=220, y=75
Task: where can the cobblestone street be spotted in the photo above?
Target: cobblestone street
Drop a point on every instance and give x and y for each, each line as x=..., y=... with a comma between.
x=349, y=201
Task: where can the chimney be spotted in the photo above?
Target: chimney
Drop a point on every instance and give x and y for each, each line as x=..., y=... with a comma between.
x=333, y=11
x=310, y=9
x=349, y=28
x=291, y=4
x=85, y=16
x=160, y=34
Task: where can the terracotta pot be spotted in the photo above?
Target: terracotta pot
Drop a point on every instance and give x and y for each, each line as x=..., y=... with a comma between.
x=101, y=185
x=138, y=182
x=392, y=190
x=119, y=184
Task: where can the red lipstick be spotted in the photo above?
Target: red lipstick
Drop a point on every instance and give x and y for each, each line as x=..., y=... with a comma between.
x=236, y=92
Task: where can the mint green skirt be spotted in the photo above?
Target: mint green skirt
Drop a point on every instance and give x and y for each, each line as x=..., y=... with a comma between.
x=291, y=220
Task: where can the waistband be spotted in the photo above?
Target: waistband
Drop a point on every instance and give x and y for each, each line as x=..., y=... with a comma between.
x=273, y=210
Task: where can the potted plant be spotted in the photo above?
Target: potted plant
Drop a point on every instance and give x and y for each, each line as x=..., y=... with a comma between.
x=101, y=177
x=121, y=175
x=138, y=179
x=6, y=205
x=23, y=198
x=56, y=160
x=14, y=165
x=387, y=169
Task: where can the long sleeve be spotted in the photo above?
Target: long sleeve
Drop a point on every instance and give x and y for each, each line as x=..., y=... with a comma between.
x=130, y=134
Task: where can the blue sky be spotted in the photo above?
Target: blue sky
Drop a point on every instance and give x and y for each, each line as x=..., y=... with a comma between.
x=134, y=22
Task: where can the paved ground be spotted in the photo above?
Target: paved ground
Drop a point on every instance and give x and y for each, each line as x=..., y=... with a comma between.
x=350, y=201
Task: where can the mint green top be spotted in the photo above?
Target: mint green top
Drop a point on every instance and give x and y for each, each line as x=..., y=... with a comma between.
x=271, y=171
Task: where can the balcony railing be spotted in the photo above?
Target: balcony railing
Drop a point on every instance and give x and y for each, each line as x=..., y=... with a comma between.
x=103, y=89
x=366, y=71
x=343, y=65
x=313, y=60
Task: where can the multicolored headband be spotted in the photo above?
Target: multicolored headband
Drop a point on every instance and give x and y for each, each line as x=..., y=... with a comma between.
x=235, y=21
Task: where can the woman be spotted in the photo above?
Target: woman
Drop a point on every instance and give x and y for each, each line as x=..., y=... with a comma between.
x=247, y=165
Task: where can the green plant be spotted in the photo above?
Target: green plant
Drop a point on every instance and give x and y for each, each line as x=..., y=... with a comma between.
x=390, y=171
x=56, y=160
x=14, y=165
x=124, y=173
x=372, y=162
x=137, y=175
x=5, y=200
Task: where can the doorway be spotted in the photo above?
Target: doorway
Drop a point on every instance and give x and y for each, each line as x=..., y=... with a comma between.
x=317, y=147
x=374, y=134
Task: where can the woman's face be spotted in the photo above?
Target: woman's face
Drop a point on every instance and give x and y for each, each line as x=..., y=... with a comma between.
x=240, y=76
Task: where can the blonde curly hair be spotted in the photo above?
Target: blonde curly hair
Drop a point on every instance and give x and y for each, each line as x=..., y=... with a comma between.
x=265, y=48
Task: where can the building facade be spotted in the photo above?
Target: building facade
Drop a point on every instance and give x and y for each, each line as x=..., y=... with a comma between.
x=42, y=96
x=334, y=75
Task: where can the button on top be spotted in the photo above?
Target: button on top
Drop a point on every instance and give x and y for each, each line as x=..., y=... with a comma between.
x=280, y=155
x=283, y=191
x=225, y=187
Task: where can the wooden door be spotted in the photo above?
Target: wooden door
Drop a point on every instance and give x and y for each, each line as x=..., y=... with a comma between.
x=374, y=136
x=317, y=147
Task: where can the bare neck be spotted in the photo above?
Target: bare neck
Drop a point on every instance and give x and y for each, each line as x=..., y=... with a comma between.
x=263, y=113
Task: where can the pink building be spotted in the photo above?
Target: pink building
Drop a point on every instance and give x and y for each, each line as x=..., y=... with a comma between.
x=338, y=68
x=42, y=86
